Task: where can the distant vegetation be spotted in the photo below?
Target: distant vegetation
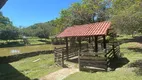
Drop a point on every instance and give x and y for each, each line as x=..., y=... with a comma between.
x=125, y=15
x=7, y=30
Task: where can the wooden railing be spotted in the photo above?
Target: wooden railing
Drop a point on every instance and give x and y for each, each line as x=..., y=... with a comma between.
x=90, y=61
x=113, y=53
x=98, y=60
x=59, y=56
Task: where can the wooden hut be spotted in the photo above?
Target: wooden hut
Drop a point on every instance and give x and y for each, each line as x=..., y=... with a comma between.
x=91, y=31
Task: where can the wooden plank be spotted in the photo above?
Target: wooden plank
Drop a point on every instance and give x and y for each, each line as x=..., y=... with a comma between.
x=94, y=65
x=92, y=58
x=93, y=62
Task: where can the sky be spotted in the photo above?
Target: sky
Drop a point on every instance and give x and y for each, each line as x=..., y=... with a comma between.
x=28, y=12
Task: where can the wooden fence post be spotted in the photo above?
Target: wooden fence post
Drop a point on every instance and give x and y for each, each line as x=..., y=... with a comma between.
x=96, y=44
x=67, y=49
x=113, y=47
x=62, y=57
x=79, y=60
x=55, y=54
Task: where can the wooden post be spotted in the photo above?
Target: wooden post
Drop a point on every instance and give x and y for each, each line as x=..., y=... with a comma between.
x=55, y=54
x=80, y=44
x=89, y=39
x=104, y=41
x=79, y=53
x=96, y=43
x=62, y=57
x=67, y=50
x=79, y=60
x=113, y=47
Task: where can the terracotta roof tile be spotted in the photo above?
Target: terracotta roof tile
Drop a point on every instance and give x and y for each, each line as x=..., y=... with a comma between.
x=93, y=29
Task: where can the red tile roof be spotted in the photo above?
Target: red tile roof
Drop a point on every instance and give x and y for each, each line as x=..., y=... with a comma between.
x=93, y=29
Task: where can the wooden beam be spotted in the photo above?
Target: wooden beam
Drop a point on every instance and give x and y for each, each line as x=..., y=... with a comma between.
x=96, y=43
x=104, y=41
x=67, y=49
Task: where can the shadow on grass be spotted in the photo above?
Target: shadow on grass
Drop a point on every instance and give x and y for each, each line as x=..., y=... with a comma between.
x=136, y=49
x=8, y=72
x=45, y=41
x=11, y=44
x=118, y=62
x=137, y=64
x=135, y=39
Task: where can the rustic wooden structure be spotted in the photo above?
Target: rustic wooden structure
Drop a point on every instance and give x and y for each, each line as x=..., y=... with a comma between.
x=90, y=57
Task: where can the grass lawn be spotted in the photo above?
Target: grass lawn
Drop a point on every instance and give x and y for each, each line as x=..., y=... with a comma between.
x=132, y=50
x=28, y=68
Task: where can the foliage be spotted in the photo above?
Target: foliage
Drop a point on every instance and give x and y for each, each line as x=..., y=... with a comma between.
x=81, y=13
x=78, y=13
x=8, y=35
x=126, y=16
x=7, y=30
x=41, y=30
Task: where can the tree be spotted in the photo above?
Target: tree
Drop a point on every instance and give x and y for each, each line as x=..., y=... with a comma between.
x=8, y=35
x=126, y=16
x=80, y=13
x=7, y=30
x=41, y=30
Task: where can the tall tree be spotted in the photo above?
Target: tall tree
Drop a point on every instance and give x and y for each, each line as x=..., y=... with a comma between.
x=7, y=30
x=126, y=15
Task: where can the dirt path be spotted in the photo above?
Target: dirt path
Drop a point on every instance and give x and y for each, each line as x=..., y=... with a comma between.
x=60, y=74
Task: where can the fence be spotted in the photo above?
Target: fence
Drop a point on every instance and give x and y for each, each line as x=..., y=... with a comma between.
x=113, y=53
x=99, y=61
x=91, y=61
x=59, y=56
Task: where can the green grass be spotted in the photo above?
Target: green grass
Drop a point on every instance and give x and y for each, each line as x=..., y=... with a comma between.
x=27, y=69
x=130, y=50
